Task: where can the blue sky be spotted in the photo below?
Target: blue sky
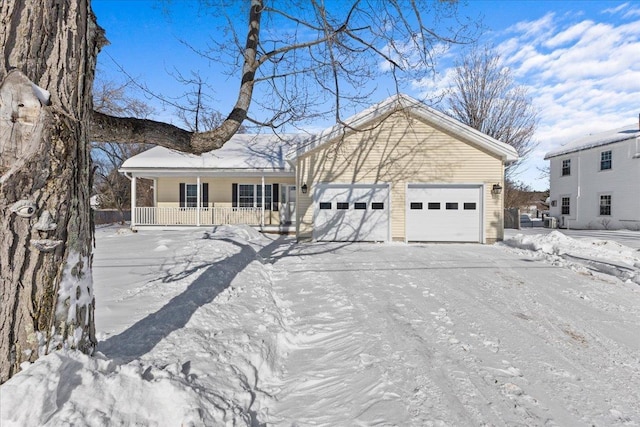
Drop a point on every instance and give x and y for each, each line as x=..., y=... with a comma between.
x=579, y=59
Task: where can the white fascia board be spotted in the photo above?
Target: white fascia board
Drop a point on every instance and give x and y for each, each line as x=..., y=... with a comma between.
x=400, y=102
x=505, y=151
x=357, y=121
x=169, y=172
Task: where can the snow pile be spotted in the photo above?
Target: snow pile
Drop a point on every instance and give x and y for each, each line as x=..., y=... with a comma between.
x=602, y=256
x=69, y=388
x=192, y=342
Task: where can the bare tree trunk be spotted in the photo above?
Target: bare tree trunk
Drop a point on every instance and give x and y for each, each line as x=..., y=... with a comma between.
x=46, y=229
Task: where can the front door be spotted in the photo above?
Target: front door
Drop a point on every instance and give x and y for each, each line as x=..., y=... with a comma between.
x=288, y=203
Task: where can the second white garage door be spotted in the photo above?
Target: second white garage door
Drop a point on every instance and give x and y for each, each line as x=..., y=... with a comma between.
x=444, y=213
x=351, y=212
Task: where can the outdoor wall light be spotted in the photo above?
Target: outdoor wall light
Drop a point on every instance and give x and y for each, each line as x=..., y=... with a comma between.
x=304, y=188
x=497, y=189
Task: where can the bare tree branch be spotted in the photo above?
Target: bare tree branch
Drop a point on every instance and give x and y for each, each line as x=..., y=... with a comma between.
x=486, y=97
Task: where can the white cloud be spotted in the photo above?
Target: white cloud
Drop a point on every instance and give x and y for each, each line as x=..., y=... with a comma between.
x=534, y=28
x=632, y=13
x=614, y=10
x=569, y=34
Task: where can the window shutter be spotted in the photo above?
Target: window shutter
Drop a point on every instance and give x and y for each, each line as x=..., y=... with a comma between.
x=205, y=194
x=183, y=195
x=234, y=195
x=275, y=196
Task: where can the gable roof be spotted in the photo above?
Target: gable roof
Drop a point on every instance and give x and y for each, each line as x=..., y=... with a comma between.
x=596, y=140
x=418, y=109
x=256, y=152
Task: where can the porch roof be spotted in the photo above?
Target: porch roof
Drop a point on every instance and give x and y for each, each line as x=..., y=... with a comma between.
x=243, y=153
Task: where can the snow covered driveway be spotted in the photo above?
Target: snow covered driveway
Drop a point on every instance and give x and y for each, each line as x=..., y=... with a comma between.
x=453, y=335
x=228, y=327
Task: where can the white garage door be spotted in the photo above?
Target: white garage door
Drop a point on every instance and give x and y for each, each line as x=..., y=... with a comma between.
x=351, y=212
x=450, y=213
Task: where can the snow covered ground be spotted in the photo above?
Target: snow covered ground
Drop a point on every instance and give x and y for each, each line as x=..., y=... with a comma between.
x=229, y=327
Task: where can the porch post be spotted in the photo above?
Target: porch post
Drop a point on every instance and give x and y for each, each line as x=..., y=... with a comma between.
x=198, y=196
x=262, y=211
x=133, y=201
x=155, y=193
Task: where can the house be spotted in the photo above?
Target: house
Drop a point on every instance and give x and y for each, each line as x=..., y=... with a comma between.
x=398, y=171
x=595, y=181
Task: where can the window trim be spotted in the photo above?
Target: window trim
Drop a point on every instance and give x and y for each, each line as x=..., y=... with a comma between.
x=608, y=161
x=609, y=205
x=190, y=201
x=568, y=205
x=256, y=195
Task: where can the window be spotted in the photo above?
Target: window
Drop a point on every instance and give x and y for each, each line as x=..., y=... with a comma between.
x=433, y=205
x=605, y=204
x=246, y=195
x=566, y=167
x=416, y=205
x=360, y=206
x=191, y=195
x=469, y=206
x=250, y=196
x=376, y=206
x=566, y=206
x=188, y=195
x=342, y=205
x=452, y=206
x=325, y=205
x=605, y=160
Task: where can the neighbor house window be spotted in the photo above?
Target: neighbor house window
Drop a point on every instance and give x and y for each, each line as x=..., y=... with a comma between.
x=566, y=167
x=566, y=206
x=191, y=195
x=605, y=204
x=605, y=160
x=250, y=196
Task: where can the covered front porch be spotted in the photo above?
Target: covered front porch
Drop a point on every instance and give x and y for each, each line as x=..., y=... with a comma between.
x=247, y=181
x=267, y=203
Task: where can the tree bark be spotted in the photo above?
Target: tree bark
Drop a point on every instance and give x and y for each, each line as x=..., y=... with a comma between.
x=46, y=229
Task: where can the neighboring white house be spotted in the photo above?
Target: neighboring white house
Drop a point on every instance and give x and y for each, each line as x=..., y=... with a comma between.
x=396, y=171
x=595, y=181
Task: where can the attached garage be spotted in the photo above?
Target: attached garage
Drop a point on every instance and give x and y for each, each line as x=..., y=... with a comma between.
x=351, y=212
x=444, y=213
x=401, y=171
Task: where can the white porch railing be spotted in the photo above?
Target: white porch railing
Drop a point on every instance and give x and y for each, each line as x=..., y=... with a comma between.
x=189, y=216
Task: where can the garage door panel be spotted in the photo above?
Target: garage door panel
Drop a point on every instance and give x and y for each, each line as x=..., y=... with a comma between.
x=444, y=213
x=351, y=213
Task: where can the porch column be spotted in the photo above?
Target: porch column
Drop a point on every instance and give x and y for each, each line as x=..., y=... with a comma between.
x=262, y=212
x=198, y=196
x=133, y=201
x=155, y=193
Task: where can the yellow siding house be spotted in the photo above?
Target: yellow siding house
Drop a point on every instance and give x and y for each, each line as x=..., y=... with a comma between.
x=398, y=171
